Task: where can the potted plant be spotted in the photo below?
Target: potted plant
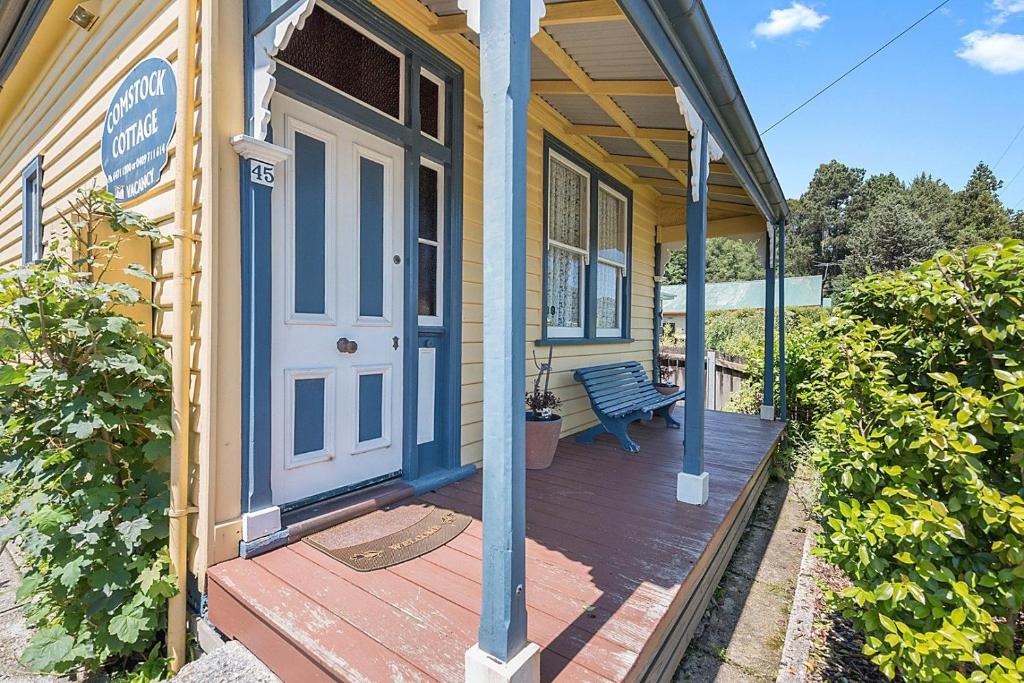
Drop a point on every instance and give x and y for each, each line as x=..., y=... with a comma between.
x=666, y=375
x=543, y=425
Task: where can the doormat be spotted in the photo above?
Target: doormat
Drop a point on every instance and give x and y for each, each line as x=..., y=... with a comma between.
x=391, y=536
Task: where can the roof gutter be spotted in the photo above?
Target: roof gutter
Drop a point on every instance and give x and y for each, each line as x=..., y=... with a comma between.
x=18, y=23
x=680, y=36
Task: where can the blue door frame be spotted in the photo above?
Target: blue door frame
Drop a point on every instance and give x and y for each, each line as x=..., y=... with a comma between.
x=430, y=465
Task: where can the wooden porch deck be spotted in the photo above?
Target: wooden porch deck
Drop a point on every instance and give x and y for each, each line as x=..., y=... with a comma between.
x=618, y=572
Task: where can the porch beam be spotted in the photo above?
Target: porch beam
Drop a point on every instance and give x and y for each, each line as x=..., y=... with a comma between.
x=768, y=402
x=647, y=162
x=782, y=319
x=502, y=652
x=640, y=88
x=692, y=482
x=634, y=133
x=667, y=183
x=644, y=162
x=560, y=58
x=559, y=14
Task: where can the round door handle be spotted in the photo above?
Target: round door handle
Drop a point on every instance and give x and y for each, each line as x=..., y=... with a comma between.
x=346, y=345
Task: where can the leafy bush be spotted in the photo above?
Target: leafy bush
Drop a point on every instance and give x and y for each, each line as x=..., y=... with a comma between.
x=921, y=375
x=84, y=436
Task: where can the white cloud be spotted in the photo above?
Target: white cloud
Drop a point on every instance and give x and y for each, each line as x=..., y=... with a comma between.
x=1000, y=53
x=1006, y=9
x=797, y=17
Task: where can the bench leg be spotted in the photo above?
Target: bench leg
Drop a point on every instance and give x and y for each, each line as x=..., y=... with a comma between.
x=619, y=431
x=666, y=413
x=589, y=435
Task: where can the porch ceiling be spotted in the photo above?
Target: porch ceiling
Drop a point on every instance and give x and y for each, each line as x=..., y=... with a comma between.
x=594, y=71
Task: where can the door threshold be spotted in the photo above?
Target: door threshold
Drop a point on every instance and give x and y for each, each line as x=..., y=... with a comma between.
x=301, y=522
x=310, y=519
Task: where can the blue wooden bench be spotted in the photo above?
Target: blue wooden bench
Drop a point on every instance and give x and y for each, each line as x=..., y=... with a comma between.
x=620, y=394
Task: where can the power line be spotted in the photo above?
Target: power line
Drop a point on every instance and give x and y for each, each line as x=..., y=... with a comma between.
x=1008, y=147
x=1015, y=176
x=856, y=66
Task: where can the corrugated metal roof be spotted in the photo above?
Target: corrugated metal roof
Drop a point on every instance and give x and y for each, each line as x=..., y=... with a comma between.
x=674, y=150
x=609, y=50
x=579, y=109
x=731, y=296
x=623, y=146
x=543, y=69
x=18, y=22
x=652, y=112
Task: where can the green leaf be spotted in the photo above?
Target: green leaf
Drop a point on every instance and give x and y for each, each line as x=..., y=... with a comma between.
x=127, y=627
x=48, y=649
x=131, y=530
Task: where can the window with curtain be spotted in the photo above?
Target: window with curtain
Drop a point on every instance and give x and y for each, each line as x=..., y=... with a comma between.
x=611, y=260
x=586, y=250
x=568, y=246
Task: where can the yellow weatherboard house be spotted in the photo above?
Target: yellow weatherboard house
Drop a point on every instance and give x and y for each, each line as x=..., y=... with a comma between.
x=382, y=213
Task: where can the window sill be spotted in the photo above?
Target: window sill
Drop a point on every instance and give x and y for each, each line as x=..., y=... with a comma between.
x=582, y=341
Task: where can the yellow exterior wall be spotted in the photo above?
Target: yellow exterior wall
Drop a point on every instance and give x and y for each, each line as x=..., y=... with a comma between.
x=575, y=406
x=54, y=104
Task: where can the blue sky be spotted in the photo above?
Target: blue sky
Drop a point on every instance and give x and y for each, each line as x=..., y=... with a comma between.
x=945, y=96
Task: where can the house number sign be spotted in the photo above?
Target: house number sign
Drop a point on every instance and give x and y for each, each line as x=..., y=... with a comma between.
x=137, y=129
x=261, y=173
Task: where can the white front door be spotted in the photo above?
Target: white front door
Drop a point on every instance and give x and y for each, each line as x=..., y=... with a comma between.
x=337, y=306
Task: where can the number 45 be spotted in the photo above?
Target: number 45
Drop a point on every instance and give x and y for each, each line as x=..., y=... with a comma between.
x=262, y=173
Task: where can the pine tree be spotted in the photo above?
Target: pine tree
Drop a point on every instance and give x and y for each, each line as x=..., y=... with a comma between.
x=933, y=201
x=821, y=220
x=892, y=237
x=978, y=214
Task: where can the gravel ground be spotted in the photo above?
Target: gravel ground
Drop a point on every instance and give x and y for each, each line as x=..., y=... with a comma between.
x=14, y=634
x=836, y=646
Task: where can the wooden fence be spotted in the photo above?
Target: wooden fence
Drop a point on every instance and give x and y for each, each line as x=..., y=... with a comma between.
x=724, y=374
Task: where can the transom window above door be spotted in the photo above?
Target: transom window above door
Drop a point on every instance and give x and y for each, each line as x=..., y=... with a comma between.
x=587, y=243
x=344, y=57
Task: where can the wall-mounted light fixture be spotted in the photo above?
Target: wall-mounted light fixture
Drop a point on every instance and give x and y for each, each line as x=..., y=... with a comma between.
x=85, y=14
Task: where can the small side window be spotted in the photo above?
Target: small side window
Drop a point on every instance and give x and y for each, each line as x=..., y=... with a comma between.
x=32, y=211
x=431, y=244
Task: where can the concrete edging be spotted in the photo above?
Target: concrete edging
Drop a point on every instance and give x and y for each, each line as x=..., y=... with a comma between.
x=797, y=648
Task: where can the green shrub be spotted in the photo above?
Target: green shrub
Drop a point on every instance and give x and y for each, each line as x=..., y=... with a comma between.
x=921, y=375
x=84, y=437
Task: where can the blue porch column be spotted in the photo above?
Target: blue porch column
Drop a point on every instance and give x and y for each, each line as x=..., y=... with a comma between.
x=782, y=319
x=692, y=482
x=502, y=652
x=261, y=519
x=768, y=404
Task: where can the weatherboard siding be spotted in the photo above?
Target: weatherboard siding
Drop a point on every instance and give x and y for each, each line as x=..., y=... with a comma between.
x=54, y=105
x=542, y=118
x=58, y=113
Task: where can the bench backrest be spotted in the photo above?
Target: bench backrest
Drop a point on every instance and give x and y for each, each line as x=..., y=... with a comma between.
x=616, y=386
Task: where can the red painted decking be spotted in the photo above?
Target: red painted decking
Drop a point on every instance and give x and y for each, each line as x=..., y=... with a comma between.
x=618, y=572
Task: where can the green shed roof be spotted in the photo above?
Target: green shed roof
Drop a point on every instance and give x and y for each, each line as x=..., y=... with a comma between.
x=730, y=296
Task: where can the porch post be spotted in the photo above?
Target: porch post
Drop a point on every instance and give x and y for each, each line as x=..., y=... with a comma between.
x=502, y=652
x=692, y=482
x=261, y=519
x=768, y=404
x=782, y=319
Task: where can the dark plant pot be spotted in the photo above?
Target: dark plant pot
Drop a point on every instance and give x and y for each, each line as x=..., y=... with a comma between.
x=667, y=389
x=541, y=440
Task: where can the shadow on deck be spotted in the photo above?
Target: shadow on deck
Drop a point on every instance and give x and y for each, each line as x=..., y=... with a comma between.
x=618, y=572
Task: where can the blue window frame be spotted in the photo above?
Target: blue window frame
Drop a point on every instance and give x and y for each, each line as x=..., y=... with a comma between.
x=32, y=211
x=588, y=234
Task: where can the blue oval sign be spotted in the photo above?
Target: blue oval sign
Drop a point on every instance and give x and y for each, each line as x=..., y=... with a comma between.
x=138, y=128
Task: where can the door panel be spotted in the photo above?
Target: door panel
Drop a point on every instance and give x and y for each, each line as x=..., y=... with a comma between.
x=337, y=311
